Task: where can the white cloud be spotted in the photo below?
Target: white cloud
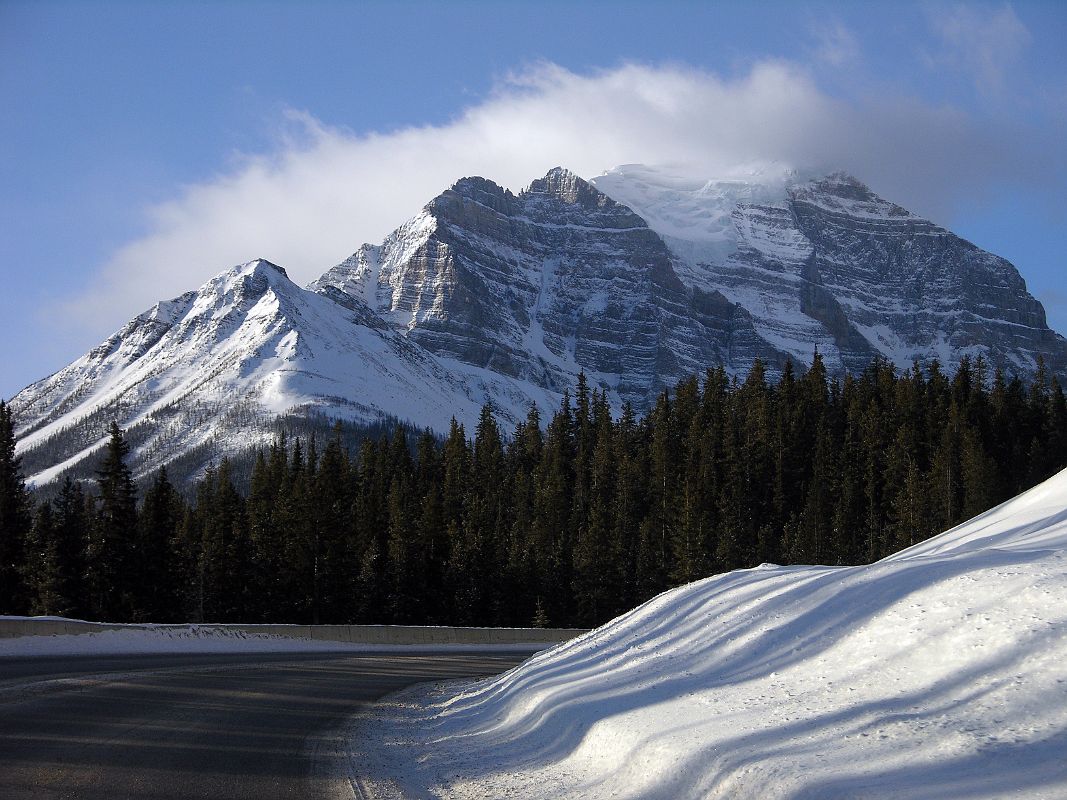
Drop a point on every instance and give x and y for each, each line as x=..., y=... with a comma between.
x=325, y=191
x=981, y=41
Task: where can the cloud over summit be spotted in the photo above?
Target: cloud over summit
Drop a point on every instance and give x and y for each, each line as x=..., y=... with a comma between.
x=320, y=194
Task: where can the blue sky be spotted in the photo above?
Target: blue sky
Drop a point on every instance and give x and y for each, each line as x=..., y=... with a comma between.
x=147, y=146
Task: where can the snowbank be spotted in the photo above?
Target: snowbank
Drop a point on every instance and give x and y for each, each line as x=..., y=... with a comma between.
x=938, y=672
x=149, y=639
x=75, y=637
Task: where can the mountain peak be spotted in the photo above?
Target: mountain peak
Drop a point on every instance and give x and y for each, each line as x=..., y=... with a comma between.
x=260, y=266
x=840, y=191
x=565, y=185
x=846, y=186
x=481, y=190
x=254, y=276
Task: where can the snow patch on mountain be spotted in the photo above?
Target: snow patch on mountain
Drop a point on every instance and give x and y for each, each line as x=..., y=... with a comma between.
x=940, y=671
x=695, y=215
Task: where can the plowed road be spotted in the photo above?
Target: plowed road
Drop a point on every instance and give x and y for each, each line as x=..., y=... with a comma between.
x=172, y=727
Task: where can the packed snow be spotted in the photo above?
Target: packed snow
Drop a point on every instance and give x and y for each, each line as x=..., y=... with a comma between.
x=143, y=639
x=938, y=672
x=161, y=639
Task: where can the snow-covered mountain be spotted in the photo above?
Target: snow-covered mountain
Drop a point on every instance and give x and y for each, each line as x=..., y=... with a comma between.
x=542, y=285
x=828, y=263
x=637, y=278
x=938, y=672
x=221, y=362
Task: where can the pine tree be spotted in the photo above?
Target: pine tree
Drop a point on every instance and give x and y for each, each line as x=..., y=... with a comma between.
x=72, y=531
x=332, y=502
x=112, y=552
x=552, y=535
x=40, y=562
x=660, y=527
x=224, y=570
x=15, y=521
x=597, y=568
x=154, y=579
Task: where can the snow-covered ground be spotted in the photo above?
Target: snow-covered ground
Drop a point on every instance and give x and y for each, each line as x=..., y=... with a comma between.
x=160, y=639
x=940, y=672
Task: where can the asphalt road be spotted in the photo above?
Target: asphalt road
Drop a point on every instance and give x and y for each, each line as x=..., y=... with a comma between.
x=257, y=726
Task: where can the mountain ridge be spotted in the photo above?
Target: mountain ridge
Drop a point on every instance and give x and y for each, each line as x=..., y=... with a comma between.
x=490, y=296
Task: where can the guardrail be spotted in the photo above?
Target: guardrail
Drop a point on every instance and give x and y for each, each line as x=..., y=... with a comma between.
x=11, y=627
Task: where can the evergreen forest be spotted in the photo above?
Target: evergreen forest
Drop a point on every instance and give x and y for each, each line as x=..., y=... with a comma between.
x=567, y=521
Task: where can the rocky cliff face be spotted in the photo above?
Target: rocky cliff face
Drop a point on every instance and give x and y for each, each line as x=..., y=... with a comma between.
x=913, y=290
x=490, y=296
x=827, y=263
x=542, y=285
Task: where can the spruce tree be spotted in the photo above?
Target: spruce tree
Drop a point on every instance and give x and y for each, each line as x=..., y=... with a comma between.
x=40, y=562
x=72, y=532
x=552, y=535
x=156, y=592
x=524, y=455
x=597, y=568
x=630, y=506
x=658, y=533
x=224, y=570
x=15, y=521
x=431, y=533
x=56, y=554
x=112, y=551
x=332, y=500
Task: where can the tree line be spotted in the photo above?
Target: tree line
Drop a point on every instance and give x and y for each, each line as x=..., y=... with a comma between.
x=565, y=523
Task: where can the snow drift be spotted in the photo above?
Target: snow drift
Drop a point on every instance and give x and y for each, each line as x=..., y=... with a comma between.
x=940, y=671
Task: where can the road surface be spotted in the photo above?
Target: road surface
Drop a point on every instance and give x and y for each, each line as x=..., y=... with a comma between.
x=180, y=727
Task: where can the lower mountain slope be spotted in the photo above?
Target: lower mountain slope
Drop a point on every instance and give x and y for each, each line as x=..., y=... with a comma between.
x=222, y=363
x=940, y=671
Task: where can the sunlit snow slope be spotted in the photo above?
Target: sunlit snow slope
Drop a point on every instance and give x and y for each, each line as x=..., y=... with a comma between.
x=938, y=672
x=222, y=361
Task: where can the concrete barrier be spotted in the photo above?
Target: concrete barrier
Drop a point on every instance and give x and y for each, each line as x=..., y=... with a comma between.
x=11, y=627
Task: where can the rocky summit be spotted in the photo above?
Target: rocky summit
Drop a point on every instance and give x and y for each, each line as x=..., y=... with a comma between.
x=637, y=278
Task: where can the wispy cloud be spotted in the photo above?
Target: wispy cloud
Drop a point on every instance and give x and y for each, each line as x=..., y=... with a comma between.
x=835, y=43
x=323, y=190
x=982, y=41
